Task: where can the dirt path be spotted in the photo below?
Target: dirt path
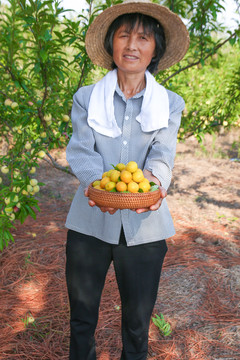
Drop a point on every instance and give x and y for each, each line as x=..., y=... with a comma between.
x=200, y=288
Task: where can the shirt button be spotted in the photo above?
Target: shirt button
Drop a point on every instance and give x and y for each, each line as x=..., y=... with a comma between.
x=124, y=142
x=126, y=117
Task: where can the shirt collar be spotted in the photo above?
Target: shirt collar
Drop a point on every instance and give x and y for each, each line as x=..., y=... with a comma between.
x=121, y=94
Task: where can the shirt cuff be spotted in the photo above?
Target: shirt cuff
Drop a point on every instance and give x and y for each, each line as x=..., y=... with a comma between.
x=164, y=175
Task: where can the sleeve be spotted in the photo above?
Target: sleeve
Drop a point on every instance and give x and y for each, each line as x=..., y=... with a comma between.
x=160, y=160
x=85, y=162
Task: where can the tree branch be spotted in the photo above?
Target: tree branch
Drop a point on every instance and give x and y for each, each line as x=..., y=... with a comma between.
x=201, y=59
x=54, y=164
x=14, y=78
x=82, y=75
x=7, y=124
x=4, y=94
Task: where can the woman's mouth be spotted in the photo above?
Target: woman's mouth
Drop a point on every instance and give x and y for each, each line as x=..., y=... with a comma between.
x=130, y=57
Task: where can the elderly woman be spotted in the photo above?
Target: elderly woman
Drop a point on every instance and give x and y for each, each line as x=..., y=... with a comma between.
x=125, y=116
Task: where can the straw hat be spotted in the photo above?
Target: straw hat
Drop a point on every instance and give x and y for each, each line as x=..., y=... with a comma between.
x=176, y=34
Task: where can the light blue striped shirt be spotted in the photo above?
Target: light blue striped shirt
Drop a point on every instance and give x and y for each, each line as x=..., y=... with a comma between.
x=90, y=154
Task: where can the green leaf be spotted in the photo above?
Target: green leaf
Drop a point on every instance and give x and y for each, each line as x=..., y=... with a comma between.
x=232, y=41
x=71, y=41
x=152, y=183
x=163, y=326
x=154, y=188
x=43, y=54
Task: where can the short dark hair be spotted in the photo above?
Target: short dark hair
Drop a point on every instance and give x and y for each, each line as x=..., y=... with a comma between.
x=150, y=26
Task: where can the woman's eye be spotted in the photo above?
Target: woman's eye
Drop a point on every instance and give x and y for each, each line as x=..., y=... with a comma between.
x=124, y=35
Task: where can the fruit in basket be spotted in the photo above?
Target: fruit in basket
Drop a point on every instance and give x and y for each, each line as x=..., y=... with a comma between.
x=110, y=186
x=121, y=186
x=109, y=172
x=120, y=166
x=133, y=187
x=125, y=176
x=144, y=185
x=132, y=166
x=115, y=175
x=104, y=182
x=124, y=179
x=138, y=176
x=96, y=183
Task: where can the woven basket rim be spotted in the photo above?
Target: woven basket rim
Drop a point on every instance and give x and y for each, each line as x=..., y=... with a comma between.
x=121, y=200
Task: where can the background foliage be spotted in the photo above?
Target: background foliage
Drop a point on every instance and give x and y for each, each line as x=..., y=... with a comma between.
x=43, y=62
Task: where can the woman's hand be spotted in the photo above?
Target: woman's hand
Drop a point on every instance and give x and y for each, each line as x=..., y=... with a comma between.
x=154, y=207
x=103, y=209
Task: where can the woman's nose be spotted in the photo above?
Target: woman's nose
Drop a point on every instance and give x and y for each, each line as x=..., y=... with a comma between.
x=131, y=45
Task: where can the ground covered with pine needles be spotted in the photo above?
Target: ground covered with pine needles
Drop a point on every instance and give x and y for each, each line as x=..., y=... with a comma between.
x=199, y=292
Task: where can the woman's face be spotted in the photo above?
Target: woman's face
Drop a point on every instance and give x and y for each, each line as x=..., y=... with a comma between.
x=133, y=50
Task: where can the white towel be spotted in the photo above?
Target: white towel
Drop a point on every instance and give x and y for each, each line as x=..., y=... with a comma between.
x=154, y=112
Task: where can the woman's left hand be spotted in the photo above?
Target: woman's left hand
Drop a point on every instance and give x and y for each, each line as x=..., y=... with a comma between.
x=154, y=207
x=91, y=203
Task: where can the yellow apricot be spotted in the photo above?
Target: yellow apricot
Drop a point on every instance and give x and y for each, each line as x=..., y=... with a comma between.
x=120, y=166
x=121, y=186
x=131, y=166
x=110, y=186
x=114, y=176
x=104, y=181
x=144, y=186
x=110, y=172
x=138, y=176
x=133, y=187
x=125, y=176
x=96, y=182
x=104, y=174
x=98, y=187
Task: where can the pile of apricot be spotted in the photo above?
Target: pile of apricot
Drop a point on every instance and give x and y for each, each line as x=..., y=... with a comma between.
x=123, y=178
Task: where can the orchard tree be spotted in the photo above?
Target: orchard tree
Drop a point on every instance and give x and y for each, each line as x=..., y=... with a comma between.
x=43, y=62
x=209, y=76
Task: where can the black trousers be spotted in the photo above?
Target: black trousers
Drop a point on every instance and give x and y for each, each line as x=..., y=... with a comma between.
x=137, y=269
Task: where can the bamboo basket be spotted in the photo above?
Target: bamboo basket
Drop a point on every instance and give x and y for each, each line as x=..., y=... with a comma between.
x=121, y=201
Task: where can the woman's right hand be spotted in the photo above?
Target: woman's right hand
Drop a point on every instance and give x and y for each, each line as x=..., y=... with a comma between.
x=91, y=203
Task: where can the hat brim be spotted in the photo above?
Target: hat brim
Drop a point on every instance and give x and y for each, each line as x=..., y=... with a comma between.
x=176, y=34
